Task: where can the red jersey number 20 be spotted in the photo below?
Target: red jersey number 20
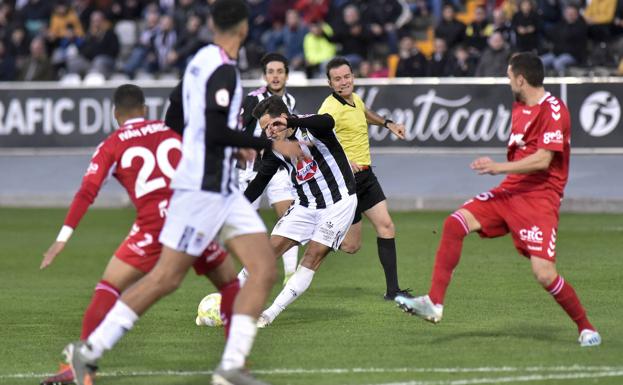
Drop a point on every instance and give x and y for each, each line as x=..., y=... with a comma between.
x=143, y=185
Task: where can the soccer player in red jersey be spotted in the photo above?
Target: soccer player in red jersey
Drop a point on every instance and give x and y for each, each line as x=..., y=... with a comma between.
x=525, y=204
x=142, y=155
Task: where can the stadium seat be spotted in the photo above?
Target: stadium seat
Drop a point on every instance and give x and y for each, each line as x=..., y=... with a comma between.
x=297, y=77
x=94, y=79
x=70, y=80
x=119, y=77
x=142, y=75
x=126, y=31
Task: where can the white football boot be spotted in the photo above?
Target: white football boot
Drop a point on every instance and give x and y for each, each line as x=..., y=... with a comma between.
x=422, y=307
x=589, y=338
x=263, y=321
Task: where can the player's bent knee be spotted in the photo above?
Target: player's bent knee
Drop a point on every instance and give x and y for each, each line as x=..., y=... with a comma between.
x=386, y=229
x=545, y=277
x=350, y=247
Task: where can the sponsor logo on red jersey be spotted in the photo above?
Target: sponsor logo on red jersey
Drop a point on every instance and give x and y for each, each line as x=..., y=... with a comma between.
x=553, y=137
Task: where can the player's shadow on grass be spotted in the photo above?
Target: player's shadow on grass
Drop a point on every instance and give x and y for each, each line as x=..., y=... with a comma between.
x=524, y=331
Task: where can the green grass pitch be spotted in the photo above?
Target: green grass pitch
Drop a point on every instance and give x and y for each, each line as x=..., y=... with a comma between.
x=499, y=326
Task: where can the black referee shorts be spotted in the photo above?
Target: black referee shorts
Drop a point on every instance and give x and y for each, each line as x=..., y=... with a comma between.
x=369, y=192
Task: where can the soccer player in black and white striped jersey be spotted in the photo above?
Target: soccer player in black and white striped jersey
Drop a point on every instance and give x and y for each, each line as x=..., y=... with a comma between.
x=206, y=203
x=325, y=202
x=279, y=191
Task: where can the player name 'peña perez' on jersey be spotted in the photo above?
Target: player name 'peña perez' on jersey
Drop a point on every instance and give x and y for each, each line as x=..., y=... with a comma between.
x=143, y=131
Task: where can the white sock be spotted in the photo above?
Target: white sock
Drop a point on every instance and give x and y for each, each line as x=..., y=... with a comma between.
x=118, y=321
x=241, y=336
x=290, y=260
x=242, y=276
x=295, y=287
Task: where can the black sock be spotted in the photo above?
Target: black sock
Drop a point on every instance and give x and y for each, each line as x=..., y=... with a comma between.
x=387, y=255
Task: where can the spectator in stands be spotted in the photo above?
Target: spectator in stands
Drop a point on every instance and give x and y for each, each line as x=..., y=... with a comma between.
x=570, y=38
x=258, y=20
x=449, y=28
x=527, y=27
x=289, y=40
x=99, y=50
x=7, y=64
x=312, y=11
x=385, y=18
x=127, y=9
x=318, y=49
x=36, y=15
x=502, y=25
x=183, y=11
x=599, y=15
x=551, y=13
x=439, y=64
x=422, y=20
x=6, y=11
x=138, y=56
x=64, y=22
x=18, y=45
x=462, y=63
x=479, y=30
x=494, y=59
x=378, y=70
x=353, y=36
x=411, y=63
x=188, y=43
x=163, y=44
x=37, y=67
x=277, y=11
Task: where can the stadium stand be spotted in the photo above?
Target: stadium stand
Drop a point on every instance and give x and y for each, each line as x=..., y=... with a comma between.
x=154, y=39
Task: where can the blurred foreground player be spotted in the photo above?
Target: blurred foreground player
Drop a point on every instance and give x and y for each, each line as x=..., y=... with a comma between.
x=525, y=204
x=138, y=145
x=205, y=204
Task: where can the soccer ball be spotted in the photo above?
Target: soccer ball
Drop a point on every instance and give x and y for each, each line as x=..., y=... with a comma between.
x=209, y=311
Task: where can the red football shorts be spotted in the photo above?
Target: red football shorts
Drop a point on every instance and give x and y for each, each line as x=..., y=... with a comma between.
x=141, y=250
x=531, y=218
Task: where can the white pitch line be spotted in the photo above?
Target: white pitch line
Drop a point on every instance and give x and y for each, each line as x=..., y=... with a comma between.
x=502, y=380
x=289, y=371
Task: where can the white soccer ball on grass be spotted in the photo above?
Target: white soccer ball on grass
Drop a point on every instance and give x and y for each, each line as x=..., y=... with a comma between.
x=209, y=311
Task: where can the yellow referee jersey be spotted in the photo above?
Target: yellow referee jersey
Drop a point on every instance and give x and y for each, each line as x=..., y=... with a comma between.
x=351, y=126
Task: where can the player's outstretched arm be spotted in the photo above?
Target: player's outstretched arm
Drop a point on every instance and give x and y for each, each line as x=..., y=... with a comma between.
x=376, y=119
x=539, y=161
x=51, y=253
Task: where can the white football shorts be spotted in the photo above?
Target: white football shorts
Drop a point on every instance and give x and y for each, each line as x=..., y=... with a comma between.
x=326, y=226
x=195, y=218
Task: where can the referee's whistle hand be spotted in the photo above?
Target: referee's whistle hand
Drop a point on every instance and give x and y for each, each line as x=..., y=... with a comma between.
x=397, y=129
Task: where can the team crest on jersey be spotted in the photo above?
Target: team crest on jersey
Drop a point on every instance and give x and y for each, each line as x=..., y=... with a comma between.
x=222, y=97
x=306, y=169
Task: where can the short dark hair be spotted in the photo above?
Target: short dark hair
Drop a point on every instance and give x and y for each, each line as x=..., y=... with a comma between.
x=274, y=56
x=337, y=61
x=128, y=97
x=272, y=105
x=528, y=65
x=226, y=14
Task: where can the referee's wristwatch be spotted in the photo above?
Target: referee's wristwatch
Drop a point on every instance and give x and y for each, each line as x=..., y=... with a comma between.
x=386, y=122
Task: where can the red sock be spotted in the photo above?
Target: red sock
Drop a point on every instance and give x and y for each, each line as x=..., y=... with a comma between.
x=448, y=255
x=566, y=297
x=229, y=291
x=103, y=300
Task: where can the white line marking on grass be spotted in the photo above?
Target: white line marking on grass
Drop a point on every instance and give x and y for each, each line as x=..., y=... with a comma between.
x=501, y=380
x=288, y=371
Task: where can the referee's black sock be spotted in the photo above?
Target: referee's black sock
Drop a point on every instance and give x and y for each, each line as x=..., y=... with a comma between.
x=387, y=255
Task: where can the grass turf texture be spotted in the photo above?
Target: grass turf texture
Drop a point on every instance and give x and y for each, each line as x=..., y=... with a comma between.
x=496, y=315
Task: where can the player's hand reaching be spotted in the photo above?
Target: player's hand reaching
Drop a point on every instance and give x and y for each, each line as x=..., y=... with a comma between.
x=485, y=165
x=53, y=251
x=397, y=129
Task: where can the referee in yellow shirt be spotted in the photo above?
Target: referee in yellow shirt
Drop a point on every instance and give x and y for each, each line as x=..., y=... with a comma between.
x=351, y=127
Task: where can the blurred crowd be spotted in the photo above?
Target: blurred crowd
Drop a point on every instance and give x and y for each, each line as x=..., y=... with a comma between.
x=143, y=39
